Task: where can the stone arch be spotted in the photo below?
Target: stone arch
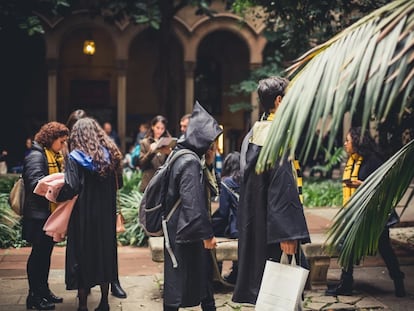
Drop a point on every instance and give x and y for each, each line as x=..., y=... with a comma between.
x=57, y=34
x=192, y=36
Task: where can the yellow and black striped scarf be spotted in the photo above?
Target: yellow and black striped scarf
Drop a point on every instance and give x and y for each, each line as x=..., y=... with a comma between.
x=350, y=173
x=297, y=173
x=54, y=164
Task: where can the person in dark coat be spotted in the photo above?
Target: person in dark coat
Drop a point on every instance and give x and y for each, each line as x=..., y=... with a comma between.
x=190, y=231
x=44, y=159
x=363, y=160
x=270, y=213
x=93, y=172
x=224, y=218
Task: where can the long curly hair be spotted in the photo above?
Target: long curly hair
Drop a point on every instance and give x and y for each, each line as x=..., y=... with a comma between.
x=89, y=137
x=363, y=144
x=49, y=132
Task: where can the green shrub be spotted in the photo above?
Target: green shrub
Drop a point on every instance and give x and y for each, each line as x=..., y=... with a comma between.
x=322, y=193
x=129, y=200
x=10, y=228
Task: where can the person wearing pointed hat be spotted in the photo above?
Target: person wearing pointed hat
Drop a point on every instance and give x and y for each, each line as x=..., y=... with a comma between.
x=190, y=231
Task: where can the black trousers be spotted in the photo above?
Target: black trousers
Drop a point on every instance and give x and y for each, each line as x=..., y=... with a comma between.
x=388, y=255
x=38, y=264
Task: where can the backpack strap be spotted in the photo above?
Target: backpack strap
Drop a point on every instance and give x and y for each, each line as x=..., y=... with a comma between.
x=170, y=160
x=236, y=195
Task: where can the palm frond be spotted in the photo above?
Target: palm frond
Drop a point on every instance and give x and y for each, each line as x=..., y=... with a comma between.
x=369, y=68
x=358, y=225
x=368, y=65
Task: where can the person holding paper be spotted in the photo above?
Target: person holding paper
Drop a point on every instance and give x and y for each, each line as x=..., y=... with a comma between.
x=155, y=148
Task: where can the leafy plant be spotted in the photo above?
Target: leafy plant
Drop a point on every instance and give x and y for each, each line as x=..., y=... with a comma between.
x=130, y=198
x=332, y=160
x=358, y=225
x=322, y=193
x=9, y=224
x=367, y=69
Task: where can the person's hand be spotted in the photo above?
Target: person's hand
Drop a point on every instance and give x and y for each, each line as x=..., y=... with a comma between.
x=353, y=183
x=153, y=147
x=289, y=247
x=210, y=243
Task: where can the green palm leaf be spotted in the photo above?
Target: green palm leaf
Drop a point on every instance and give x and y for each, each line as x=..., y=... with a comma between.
x=358, y=226
x=368, y=67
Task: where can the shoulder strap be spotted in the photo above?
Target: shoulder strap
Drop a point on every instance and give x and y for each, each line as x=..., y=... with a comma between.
x=170, y=162
x=171, y=159
x=231, y=190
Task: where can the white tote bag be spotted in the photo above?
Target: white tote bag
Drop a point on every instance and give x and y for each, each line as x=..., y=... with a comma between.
x=282, y=286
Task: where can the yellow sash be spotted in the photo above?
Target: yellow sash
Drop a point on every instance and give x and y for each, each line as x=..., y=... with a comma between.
x=350, y=173
x=54, y=164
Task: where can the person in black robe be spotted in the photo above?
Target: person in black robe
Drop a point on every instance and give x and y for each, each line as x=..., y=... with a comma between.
x=92, y=172
x=190, y=231
x=270, y=213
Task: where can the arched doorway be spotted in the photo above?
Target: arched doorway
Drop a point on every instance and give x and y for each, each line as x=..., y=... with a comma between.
x=222, y=61
x=88, y=82
x=145, y=81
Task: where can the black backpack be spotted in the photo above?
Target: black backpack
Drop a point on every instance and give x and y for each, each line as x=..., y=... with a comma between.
x=152, y=208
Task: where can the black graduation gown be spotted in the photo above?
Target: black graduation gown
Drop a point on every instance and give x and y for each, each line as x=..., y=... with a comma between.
x=269, y=212
x=91, y=249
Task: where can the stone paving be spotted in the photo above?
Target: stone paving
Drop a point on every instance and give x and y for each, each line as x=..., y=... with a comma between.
x=142, y=279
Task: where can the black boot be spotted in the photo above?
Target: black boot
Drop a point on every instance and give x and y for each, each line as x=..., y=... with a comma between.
x=344, y=287
x=399, y=287
x=232, y=276
x=117, y=290
x=36, y=302
x=50, y=297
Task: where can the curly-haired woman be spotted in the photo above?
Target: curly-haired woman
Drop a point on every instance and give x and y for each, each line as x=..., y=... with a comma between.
x=93, y=173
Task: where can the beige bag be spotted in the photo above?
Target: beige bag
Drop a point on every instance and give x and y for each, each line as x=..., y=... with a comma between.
x=120, y=220
x=3, y=167
x=16, y=197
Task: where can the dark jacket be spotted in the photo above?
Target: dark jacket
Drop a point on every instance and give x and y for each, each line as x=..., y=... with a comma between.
x=369, y=164
x=269, y=212
x=225, y=217
x=34, y=169
x=186, y=285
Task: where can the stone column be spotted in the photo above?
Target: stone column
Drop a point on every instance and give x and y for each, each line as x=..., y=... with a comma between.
x=189, y=67
x=52, y=89
x=254, y=115
x=121, y=100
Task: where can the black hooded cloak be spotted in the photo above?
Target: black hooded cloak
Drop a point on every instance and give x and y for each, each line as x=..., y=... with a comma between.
x=187, y=285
